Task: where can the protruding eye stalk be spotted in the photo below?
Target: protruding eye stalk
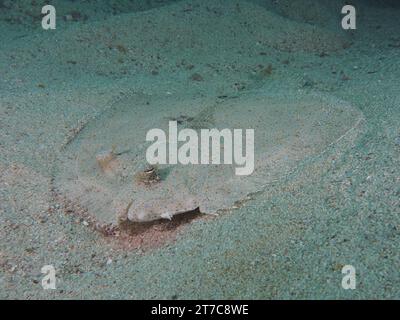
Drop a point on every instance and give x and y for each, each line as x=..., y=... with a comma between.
x=148, y=177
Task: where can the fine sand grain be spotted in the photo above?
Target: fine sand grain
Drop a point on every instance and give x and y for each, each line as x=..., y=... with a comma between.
x=288, y=240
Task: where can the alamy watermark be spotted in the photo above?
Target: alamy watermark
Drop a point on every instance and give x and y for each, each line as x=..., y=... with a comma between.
x=349, y=20
x=49, y=18
x=186, y=147
x=349, y=278
x=49, y=280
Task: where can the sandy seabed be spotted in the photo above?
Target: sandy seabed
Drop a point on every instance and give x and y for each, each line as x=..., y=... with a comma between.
x=289, y=240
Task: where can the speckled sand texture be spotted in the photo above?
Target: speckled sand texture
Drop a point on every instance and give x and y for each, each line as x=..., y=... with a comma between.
x=338, y=204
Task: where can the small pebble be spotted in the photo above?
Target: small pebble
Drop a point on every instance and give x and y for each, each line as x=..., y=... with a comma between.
x=196, y=77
